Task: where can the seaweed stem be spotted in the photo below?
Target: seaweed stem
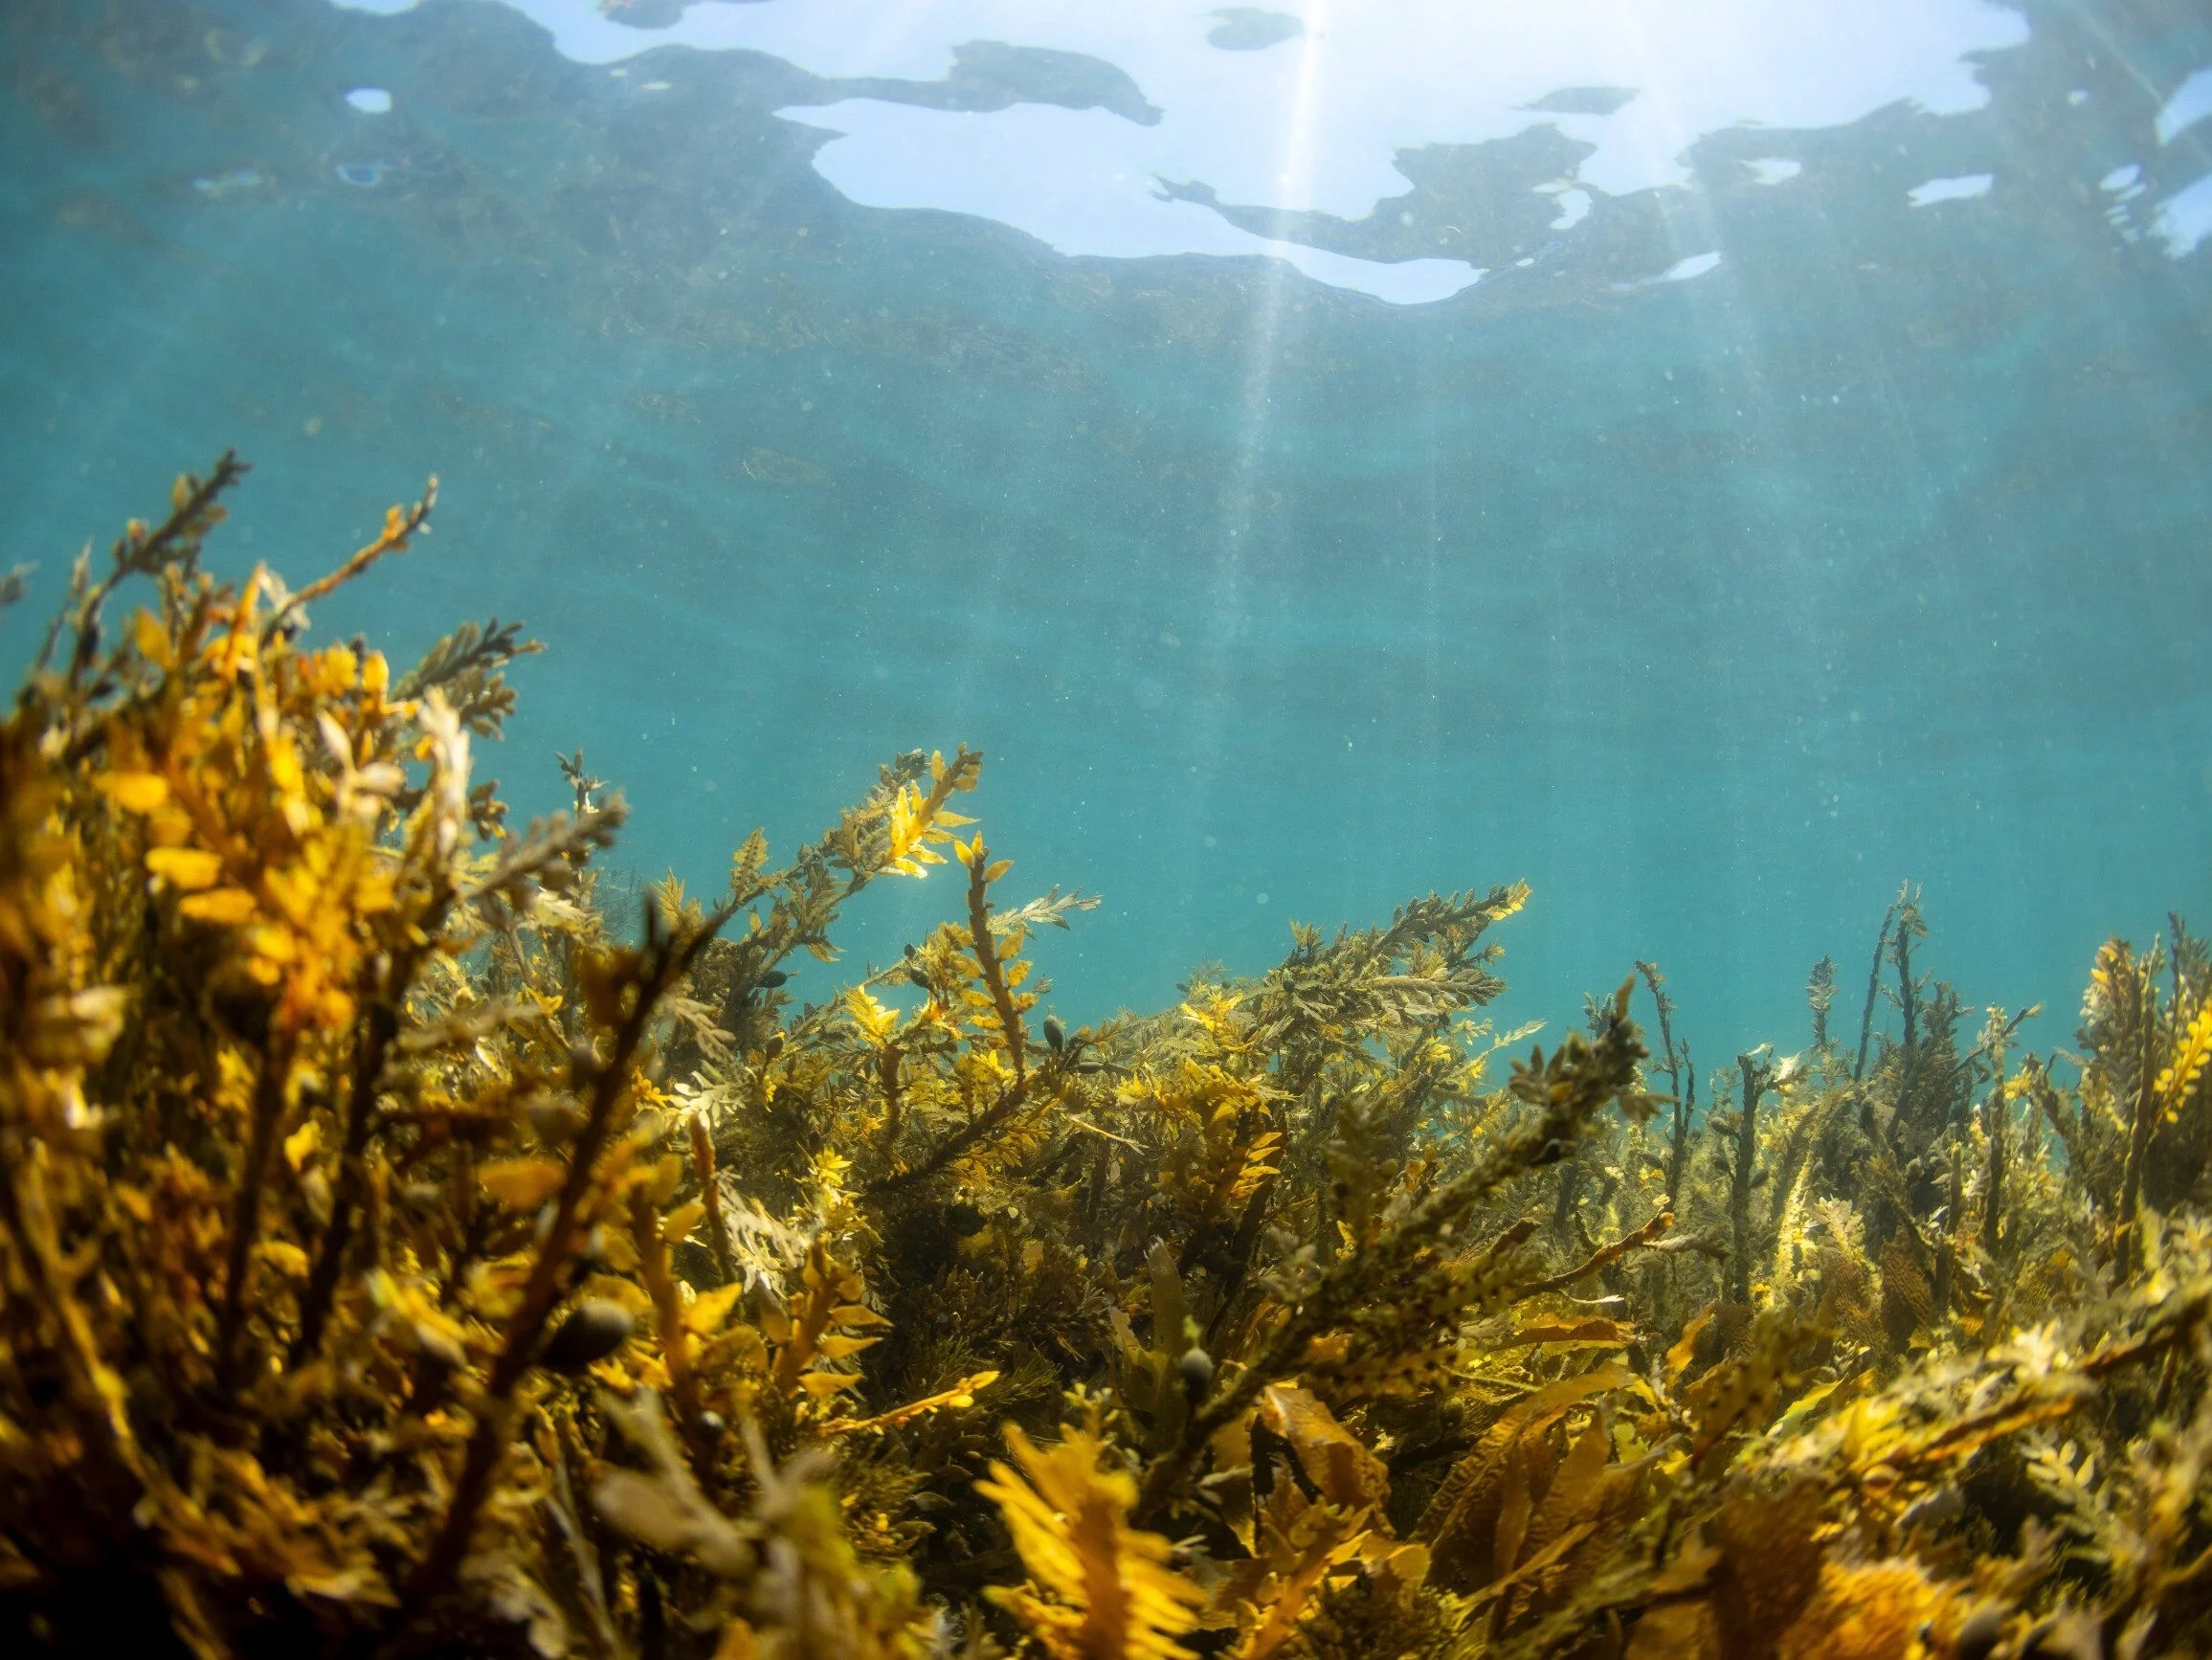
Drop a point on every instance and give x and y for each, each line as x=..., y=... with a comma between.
x=894, y=1103
x=1996, y=1123
x=710, y=1196
x=399, y=523
x=1947, y=1255
x=1597, y=1072
x=2145, y=1120
x=1873, y=992
x=1675, y=1063
x=380, y=1026
x=666, y=960
x=246, y=1225
x=139, y=551
x=1603, y=1257
x=956, y=1143
x=1758, y=1078
x=987, y=953
x=667, y=1303
x=1908, y=1005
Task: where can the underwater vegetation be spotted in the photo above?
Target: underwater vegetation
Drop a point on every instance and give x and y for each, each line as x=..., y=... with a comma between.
x=401, y=1254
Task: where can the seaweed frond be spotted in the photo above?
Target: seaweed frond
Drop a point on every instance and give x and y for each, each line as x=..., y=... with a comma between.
x=403, y=1252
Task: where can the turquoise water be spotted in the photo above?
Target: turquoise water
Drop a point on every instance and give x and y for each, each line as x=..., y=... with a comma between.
x=1714, y=607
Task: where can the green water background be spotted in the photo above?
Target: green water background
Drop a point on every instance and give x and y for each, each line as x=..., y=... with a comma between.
x=1713, y=610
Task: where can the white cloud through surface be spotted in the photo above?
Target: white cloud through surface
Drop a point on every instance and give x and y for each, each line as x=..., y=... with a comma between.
x=1313, y=121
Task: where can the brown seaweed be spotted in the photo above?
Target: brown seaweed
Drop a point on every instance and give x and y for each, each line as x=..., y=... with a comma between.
x=398, y=1255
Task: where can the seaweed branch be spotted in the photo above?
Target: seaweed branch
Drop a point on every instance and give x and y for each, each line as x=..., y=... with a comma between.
x=1758, y=1076
x=1603, y=1257
x=400, y=524
x=629, y=986
x=981, y=873
x=1582, y=1077
x=1873, y=990
x=1682, y=1099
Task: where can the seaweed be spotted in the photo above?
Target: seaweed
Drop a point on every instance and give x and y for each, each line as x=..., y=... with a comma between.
x=402, y=1251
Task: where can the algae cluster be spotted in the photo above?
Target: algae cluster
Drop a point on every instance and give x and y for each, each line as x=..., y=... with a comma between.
x=397, y=1256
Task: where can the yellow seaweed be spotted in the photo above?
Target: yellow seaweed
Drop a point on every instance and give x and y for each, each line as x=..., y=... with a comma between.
x=396, y=1257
